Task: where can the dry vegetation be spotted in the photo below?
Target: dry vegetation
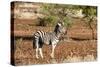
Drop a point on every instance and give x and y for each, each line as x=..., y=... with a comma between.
x=71, y=51
x=77, y=48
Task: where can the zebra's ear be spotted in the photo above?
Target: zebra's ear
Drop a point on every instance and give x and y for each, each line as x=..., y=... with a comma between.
x=59, y=24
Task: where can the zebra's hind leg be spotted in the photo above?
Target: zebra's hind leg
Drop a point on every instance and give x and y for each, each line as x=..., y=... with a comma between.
x=37, y=48
x=52, y=53
x=40, y=46
x=41, y=54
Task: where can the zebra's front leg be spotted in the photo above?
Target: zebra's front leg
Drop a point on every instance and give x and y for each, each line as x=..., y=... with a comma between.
x=52, y=53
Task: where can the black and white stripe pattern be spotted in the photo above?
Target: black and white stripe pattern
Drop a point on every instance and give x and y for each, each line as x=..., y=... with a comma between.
x=51, y=38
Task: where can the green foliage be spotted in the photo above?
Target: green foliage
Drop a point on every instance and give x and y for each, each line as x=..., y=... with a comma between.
x=90, y=11
x=54, y=13
x=47, y=9
x=87, y=10
x=90, y=14
x=50, y=20
x=67, y=22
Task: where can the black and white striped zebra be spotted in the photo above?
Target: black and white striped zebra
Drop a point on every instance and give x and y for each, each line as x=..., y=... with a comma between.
x=51, y=38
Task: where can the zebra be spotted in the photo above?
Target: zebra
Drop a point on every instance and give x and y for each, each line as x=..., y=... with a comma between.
x=50, y=38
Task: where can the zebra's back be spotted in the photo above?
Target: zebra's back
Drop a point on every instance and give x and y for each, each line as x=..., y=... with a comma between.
x=46, y=37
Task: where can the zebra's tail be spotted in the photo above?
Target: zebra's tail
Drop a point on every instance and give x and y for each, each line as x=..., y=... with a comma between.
x=34, y=46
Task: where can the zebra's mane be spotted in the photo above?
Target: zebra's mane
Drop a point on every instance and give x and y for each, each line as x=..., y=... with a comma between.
x=56, y=30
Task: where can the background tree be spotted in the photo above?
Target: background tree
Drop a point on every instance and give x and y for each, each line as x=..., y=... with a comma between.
x=53, y=13
x=91, y=17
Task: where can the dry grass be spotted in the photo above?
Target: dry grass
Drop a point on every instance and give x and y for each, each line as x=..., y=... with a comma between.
x=74, y=51
x=66, y=51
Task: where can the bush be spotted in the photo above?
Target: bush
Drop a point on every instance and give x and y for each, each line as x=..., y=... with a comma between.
x=48, y=21
x=67, y=22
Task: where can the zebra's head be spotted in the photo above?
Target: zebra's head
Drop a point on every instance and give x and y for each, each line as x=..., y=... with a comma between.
x=59, y=28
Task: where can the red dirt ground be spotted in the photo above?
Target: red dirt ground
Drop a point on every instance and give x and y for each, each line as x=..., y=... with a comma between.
x=25, y=54
x=69, y=50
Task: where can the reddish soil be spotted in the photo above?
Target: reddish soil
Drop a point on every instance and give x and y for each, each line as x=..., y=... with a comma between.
x=25, y=54
x=79, y=45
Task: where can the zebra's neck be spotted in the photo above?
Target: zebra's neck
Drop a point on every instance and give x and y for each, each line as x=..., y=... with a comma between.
x=58, y=35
